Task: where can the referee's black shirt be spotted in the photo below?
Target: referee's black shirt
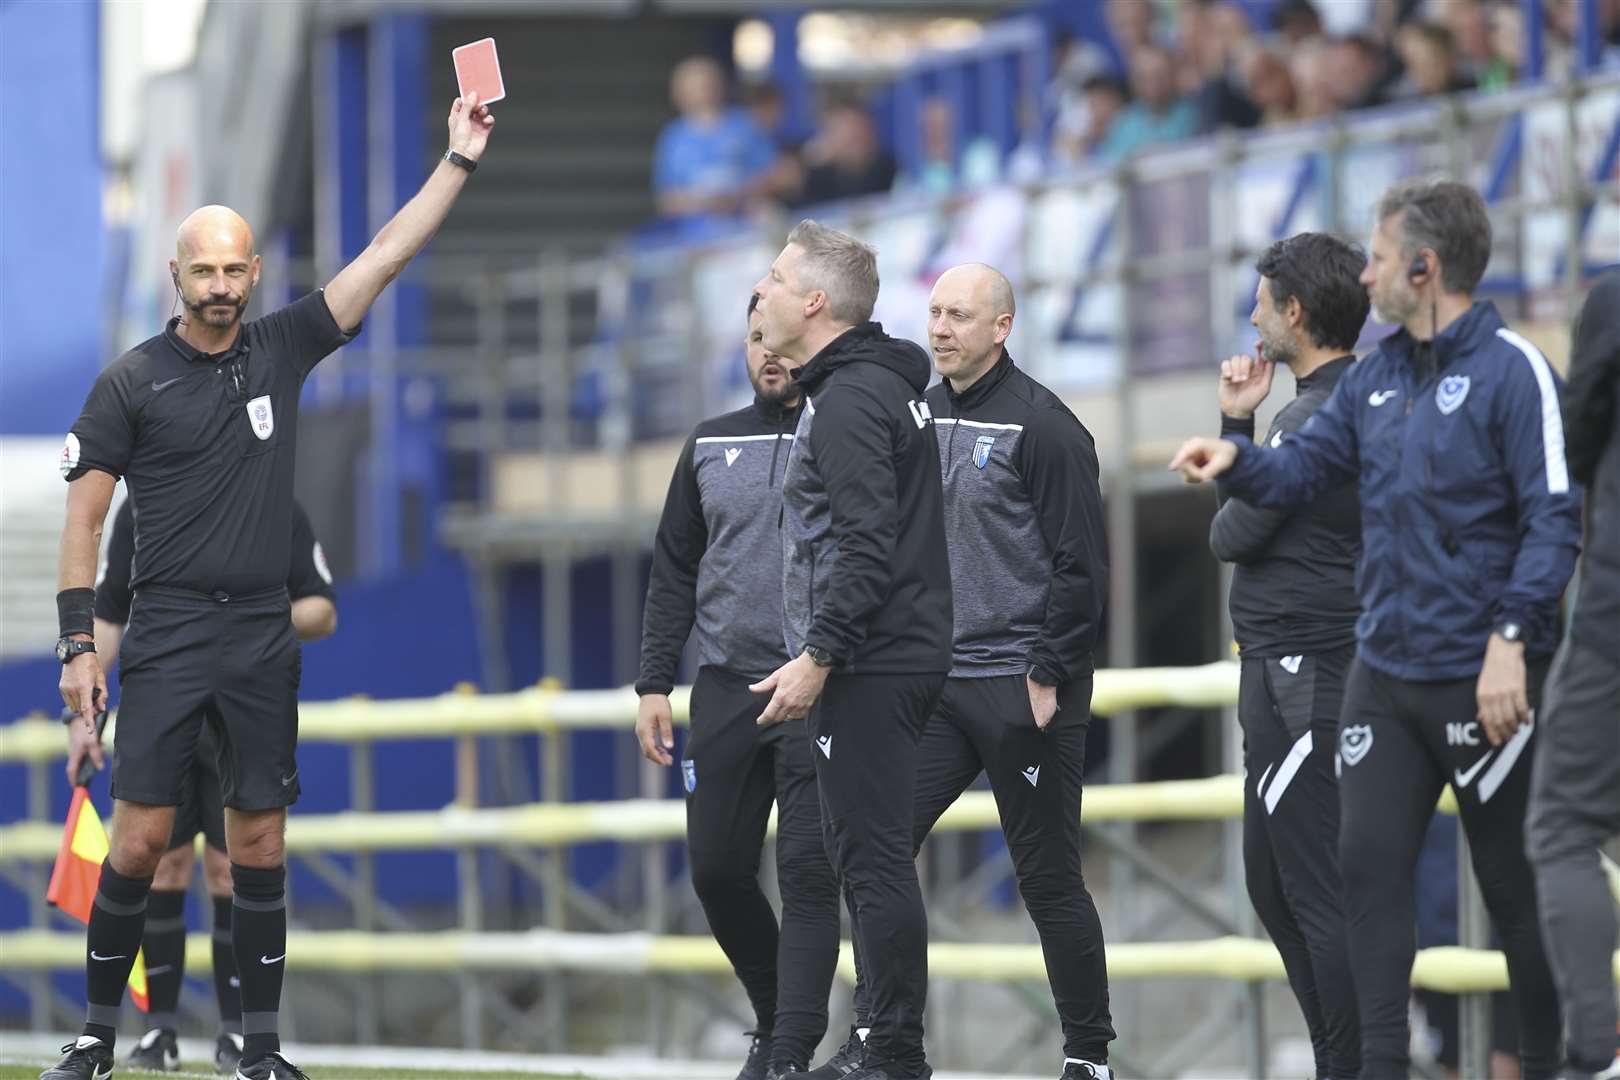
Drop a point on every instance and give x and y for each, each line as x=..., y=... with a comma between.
x=308, y=575
x=206, y=444
x=1294, y=585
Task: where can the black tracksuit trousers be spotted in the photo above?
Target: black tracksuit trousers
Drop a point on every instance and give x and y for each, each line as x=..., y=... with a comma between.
x=864, y=733
x=984, y=725
x=1400, y=744
x=733, y=770
x=1289, y=709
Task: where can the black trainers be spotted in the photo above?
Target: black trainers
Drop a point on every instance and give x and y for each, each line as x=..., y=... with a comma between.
x=758, y=1061
x=156, y=1052
x=845, y=1060
x=271, y=1067
x=227, y=1053
x=887, y=1072
x=87, y=1058
x=782, y=1072
x=1085, y=1070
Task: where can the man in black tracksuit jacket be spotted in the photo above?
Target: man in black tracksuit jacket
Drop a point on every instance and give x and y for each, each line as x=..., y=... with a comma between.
x=1575, y=784
x=866, y=605
x=717, y=564
x=1294, y=607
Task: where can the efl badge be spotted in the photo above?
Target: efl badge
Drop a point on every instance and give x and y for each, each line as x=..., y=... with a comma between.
x=689, y=774
x=1450, y=393
x=1354, y=742
x=981, y=450
x=70, y=455
x=260, y=416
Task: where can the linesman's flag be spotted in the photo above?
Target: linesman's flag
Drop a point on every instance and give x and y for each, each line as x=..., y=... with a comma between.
x=77, y=873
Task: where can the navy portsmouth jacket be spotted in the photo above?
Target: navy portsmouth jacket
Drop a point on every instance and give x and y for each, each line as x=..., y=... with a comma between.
x=1469, y=517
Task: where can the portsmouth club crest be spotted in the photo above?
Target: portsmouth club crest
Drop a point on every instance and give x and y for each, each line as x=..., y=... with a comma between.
x=689, y=774
x=1354, y=742
x=981, y=450
x=1449, y=395
x=261, y=417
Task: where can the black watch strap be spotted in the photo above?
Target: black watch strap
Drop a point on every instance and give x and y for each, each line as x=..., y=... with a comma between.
x=67, y=648
x=819, y=656
x=460, y=162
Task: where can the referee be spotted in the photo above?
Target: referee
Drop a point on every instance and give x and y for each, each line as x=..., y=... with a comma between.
x=1293, y=605
x=201, y=420
x=866, y=605
x=201, y=810
x=717, y=565
x=1575, y=789
x=1470, y=526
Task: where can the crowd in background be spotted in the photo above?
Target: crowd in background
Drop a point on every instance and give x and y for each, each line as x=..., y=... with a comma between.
x=1169, y=72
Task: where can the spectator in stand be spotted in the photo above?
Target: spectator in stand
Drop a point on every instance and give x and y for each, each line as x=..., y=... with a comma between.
x=1507, y=38
x=1360, y=71
x=1130, y=22
x=1211, y=46
x=1428, y=52
x=1270, y=86
x=1315, y=96
x=1296, y=21
x=765, y=106
x=712, y=162
x=844, y=160
x=1080, y=132
x=1157, y=114
x=1470, y=24
x=936, y=172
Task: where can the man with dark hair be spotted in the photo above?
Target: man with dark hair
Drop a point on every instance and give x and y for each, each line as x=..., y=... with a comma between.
x=201, y=810
x=1470, y=525
x=209, y=463
x=717, y=567
x=866, y=605
x=1575, y=788
x=1293, y=604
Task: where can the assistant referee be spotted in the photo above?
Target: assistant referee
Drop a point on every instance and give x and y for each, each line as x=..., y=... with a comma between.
x=201, y=421
x=201, y=810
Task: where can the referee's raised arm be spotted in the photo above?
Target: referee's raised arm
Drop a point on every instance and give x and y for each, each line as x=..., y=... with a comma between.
x=351, y=293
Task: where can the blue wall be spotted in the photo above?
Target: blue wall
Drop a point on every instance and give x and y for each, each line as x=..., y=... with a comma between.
x=52, y=262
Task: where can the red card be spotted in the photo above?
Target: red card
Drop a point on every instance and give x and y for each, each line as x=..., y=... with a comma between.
x=478, y=69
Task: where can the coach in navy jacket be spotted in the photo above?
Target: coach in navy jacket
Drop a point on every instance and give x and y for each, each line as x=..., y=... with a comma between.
x=1470, y=528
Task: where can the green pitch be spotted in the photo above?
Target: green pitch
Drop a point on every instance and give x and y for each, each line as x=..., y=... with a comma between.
x=340, y=1072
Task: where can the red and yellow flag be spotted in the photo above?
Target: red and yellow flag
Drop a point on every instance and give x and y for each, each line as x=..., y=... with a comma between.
x=77, y=873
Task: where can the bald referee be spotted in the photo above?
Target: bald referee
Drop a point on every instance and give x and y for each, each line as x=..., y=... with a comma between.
x=201, y=422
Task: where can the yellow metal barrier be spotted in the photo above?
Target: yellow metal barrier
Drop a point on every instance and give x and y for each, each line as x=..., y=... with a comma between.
x=1449, y=969
x=545, y=710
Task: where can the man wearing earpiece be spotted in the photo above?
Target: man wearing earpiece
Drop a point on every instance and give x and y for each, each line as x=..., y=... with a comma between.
x=1470, y=527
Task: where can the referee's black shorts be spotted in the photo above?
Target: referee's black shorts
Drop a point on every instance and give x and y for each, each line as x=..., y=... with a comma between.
x=202, y=806
x=191, y=659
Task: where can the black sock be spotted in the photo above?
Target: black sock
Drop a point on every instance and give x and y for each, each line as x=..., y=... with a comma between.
x=165, y=944
x=227, y=988
x=113, y=939
x=259, y=937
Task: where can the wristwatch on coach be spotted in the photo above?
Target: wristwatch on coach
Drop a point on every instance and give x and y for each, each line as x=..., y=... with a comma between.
x=67, y=648
x=819, y=656
x=1508, y=630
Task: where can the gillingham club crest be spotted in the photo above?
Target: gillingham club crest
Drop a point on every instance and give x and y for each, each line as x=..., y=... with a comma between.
x=981, y=450
x=1448, y=396
x=261, y=417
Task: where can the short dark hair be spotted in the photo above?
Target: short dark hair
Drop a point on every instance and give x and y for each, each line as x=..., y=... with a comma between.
x=1107, y=80
x=1324, y=274
x=1450, y=220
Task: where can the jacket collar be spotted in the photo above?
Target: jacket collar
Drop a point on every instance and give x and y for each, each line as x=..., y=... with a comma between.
x=834, y=355
x=1326, y=375
x=776, y=412
x=1471, y=331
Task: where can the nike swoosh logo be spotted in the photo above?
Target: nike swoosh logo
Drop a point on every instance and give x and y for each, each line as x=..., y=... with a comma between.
x=102, y=1075
x=1466, y=778
x=157, y=387
x=120, y=956
x=1378, y=397
x=286, y=780
x=276, y=960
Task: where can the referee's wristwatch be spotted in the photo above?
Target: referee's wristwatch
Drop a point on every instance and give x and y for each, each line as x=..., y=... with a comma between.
x=67, y=648
x=1508, y=630
x=819, y=656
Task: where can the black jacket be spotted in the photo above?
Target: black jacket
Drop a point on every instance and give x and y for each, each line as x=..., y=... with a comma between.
x=1592, y=438
x=717, y=559
x=1294, y=585
x=1024, y=517
x=865, y=571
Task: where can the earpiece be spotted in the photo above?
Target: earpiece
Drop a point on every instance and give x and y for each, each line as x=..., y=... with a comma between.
x=174, y=276
x=1418, y=270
